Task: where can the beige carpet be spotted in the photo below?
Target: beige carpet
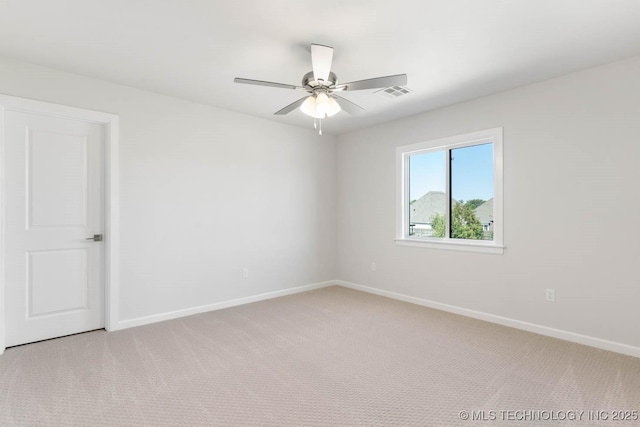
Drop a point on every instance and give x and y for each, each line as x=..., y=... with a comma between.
x=333, y=356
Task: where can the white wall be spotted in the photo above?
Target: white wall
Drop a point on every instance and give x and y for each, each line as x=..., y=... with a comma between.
x=571, y=207
x=204, y=193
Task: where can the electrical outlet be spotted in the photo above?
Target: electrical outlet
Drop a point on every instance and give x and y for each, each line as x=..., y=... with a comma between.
x=245, y=273
x=374, y=267
x=551, y=295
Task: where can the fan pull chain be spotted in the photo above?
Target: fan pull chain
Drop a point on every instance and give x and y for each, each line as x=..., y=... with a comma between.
x=317, y=125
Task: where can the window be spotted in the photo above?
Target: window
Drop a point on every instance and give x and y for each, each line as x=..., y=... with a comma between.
x=450, y=192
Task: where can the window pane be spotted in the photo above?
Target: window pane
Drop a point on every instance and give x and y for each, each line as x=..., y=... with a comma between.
x=472, y=192
x=427, y=198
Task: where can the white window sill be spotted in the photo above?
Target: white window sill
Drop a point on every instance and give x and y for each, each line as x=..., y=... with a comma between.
x=453, y=245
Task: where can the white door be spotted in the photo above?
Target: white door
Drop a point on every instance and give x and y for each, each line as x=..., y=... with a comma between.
x=53, y=203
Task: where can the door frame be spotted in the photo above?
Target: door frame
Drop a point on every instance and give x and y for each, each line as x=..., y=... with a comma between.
x=111, y=196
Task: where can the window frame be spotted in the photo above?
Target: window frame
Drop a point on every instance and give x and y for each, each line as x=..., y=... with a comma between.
x=403, y=152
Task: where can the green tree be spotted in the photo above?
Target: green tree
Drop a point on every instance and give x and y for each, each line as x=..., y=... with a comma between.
x=474, y=203
x=464, y=223
x=438, y=225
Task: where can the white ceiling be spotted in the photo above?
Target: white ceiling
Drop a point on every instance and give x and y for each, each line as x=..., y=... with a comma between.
x=452, y=50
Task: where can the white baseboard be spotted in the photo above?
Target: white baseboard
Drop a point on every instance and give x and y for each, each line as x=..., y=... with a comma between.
x=505, y=321
x=139, y=321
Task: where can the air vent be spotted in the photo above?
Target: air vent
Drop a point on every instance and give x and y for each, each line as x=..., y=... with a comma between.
x=393, y=91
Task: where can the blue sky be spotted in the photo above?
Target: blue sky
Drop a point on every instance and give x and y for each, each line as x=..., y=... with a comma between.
x=471, y=173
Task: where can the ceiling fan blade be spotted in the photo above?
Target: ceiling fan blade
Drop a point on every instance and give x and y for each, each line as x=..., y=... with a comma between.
x=321, y=59
x=378, y=82
x=263, y=83
x=348, y=106
x=289, y=108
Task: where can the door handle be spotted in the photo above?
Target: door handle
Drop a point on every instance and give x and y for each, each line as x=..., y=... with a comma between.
x=95, y=238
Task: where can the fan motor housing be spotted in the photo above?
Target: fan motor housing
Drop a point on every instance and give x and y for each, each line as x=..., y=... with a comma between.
x=309, y=81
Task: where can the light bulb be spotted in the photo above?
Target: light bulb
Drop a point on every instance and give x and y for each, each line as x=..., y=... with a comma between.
x=323, y=105
x=308, y=107
x=334, y=107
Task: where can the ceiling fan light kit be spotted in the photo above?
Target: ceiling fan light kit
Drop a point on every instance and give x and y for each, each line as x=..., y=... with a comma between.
x=320, y=106
x=321, y=83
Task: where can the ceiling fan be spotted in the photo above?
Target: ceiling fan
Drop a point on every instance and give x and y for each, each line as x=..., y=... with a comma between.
x=321, y=85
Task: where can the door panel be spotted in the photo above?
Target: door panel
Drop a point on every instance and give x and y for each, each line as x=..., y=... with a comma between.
x=54, y=202
x=57, y=196
x=68, y=269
